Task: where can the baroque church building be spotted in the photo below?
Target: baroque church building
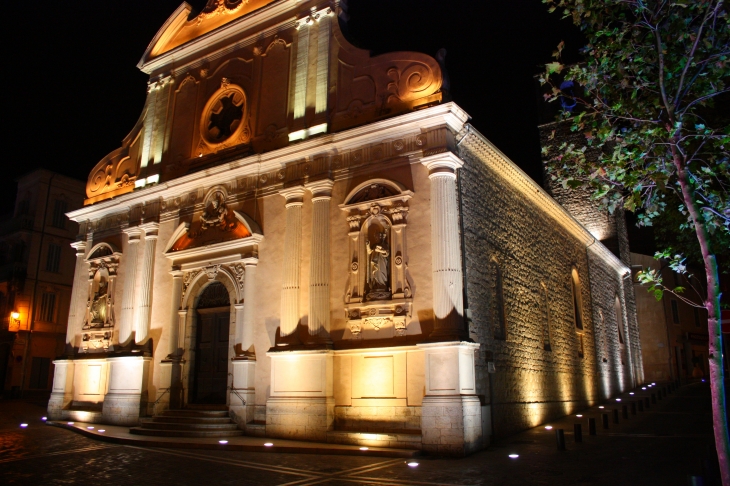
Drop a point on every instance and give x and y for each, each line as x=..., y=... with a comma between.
x=317, y=241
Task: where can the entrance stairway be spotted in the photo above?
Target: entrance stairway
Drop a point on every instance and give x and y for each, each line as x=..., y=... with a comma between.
x=189, y=423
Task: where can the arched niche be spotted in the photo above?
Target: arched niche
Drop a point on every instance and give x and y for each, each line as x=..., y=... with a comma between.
x=99, y=320
x=378, y=297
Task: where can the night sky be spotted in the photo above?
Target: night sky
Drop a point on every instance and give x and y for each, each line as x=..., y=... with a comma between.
x=73, y=90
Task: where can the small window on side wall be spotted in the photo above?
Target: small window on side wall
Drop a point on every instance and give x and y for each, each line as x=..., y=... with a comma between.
x=546, y=333
x=577, y=299
x=619, y=320
x=500, y=321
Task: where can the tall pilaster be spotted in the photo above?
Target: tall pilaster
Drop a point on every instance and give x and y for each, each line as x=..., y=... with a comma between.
x=126, y=324
x=448, y=298
x=145, y=282
x=249, y=307
x=76, y=311
x=319, y=262
x=177, y=281
x=292, y=265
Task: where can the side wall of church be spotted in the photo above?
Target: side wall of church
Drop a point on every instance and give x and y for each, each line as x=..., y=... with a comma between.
x=503, y=232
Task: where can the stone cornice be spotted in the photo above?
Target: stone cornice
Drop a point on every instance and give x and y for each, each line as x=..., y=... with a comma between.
x=486, y=152
x=447, y=114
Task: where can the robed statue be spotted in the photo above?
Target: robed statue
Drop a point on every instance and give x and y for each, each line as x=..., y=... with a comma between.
x=378, y=258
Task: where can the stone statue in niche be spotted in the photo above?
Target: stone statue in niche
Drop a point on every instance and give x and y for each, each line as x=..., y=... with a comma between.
x=378, y=274
x=99, y=301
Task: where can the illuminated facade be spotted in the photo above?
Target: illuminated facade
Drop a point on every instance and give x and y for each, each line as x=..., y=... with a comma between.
x=297, y=231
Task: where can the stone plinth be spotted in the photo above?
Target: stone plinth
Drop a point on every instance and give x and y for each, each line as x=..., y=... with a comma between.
x=302, y=402
x=244, y=374
x=451, y=414
x=126, y=398
x=62, y=391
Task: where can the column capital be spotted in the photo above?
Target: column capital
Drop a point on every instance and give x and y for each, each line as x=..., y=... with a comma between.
x=442, y=165
x=250, y=261
x=80, y=247
x=321, y=189
x=176, y=272
x=150, y=230
x=294, y=195
x=133, y=234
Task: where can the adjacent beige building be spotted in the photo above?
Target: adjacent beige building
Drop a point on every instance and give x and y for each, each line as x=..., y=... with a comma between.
x=315, y=240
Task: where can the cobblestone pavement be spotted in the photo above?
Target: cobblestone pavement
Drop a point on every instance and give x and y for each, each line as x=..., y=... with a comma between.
x=660, y=446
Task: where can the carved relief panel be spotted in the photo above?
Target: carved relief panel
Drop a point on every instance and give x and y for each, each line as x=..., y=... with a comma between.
x=98, y=329
x=378, y=299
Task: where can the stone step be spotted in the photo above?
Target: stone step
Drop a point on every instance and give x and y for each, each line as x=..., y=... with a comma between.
x=151, y=424
x=191, y=420
x=195, y=413
x=184, y=433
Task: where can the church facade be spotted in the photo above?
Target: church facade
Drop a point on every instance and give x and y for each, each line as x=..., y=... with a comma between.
x=317, y=240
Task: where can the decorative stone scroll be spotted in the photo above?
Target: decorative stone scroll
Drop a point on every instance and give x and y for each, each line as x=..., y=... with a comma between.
x=378, y=296
x=98, y=329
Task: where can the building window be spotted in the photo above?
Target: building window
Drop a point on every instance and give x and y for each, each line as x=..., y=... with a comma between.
x=39, y=373
x=59, y=214
x=53, y=259
x=675, y=311
x=48, y=306
x=546, y=333
x=500, y=328
x=619, y=320
x=581, y=348
x=577, y=300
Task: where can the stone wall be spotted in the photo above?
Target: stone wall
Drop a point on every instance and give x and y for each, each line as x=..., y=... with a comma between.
x=532, y=382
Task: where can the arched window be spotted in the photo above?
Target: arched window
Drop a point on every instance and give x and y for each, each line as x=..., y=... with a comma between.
x=577, y=310
x=619, y=320
x=546, y=333
x=500, y=321
x=577, y=300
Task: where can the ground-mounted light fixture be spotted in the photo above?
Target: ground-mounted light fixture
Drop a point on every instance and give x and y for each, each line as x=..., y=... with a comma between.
x=44, y=418
x=101, y=431
x=224, y=442
x=514, y=456
x=268, y=444
x=412, y=464
x=363, y=448
x=22, y=426
x=548, y=427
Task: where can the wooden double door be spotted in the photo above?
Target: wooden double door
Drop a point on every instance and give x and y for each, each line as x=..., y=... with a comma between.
x=211, y=356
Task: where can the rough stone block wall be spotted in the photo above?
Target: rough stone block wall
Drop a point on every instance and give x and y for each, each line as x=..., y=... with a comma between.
x=536, y=255
x=303, y=419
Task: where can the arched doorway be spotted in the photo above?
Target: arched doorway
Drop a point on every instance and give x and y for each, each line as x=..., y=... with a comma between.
x=210, y=373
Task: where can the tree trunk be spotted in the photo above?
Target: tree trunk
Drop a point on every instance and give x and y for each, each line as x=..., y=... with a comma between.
x=712, y=304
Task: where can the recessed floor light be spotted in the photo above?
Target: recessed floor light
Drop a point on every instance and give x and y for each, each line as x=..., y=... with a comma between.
x=90, y=428
x=363, y=448
x=549, y=427
x=631, y=393
x=601, y=406
x=268, y=444
x=618, y=399
x=412, y=464
x=101, y=430
x=223, y=442
x=44, y=418
x=579, y=415
x=22, y=426
x=514, y=456
x=69, y=423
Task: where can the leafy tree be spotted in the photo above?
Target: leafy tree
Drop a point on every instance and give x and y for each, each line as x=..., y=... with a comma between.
x=654, y=80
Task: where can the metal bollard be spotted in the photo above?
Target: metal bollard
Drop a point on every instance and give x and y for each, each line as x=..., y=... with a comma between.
x=641, y=405
x=625, y=411
x=646, y=402
x=615, y=415
x=633, y=408
x=653, y=398
x=577, y=432
x=591, y=426
x=605, y=420
x=560, y=437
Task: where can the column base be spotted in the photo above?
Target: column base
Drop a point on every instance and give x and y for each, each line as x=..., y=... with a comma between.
x=122, y=408
x=302, y=418
x=126, y=399
x=242, y=396
x=452, y=425
x=57, y=404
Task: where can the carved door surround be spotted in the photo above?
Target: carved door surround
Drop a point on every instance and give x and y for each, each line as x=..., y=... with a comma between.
x=378, y=298
x=98, y=328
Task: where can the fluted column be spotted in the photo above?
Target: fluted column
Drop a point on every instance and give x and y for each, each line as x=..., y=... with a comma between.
x=77, y=304
x=145, y=282
x=249, y=307
x=448, y=298
x=126, y=323
x=319, y=262
x=174, y=332
x=292, y=265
